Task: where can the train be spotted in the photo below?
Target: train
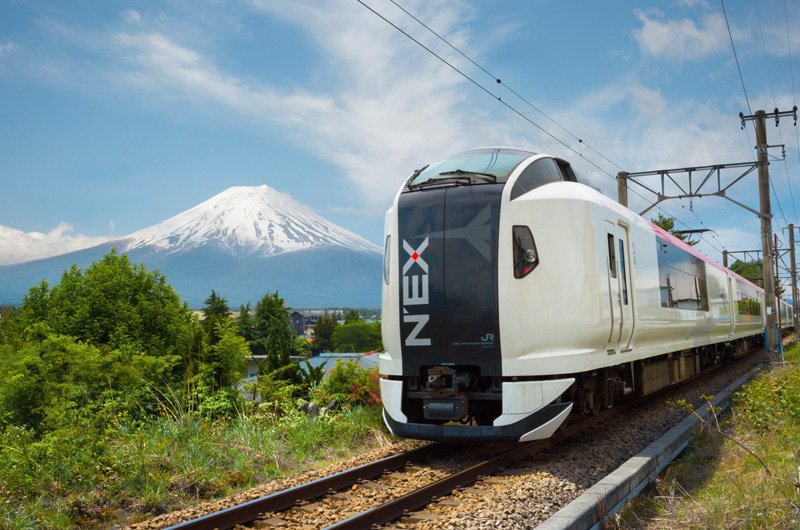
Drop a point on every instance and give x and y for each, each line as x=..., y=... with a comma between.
x=516, y=295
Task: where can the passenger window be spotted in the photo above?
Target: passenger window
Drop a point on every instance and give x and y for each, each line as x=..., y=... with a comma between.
x=612, y=258
x=537, y=174
x=622, y=272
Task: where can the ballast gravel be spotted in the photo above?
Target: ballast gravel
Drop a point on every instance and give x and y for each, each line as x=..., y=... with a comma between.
x=520, y=497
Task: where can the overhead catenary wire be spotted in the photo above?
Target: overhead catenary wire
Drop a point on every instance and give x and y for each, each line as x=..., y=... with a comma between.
x=501, y=83
x=487, y=91
x=507, y=105
x=735, y=56
x=775, y=103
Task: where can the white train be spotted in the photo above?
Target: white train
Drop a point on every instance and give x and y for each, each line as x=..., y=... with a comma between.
x=514, y=296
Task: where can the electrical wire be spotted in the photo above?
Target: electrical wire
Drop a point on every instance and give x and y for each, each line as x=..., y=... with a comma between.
x=501, y=83
x=775, y=103
x=487, y=91
x=735, y=56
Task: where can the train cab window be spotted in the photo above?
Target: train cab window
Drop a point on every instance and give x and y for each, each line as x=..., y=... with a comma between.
x=622, y=272
x=525, y=256
x=612, y=258
x=537, y=174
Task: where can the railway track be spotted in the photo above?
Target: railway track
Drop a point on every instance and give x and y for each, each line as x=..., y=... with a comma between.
x=380, y=492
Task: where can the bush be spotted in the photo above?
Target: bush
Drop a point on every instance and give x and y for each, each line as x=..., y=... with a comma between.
x=350, y=384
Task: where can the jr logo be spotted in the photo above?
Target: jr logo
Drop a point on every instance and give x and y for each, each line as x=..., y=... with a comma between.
x=489, y=337
x=415, y=292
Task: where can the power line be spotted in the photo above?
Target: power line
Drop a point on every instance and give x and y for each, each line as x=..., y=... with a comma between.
x=467, y=77
x=735, y=56
x=501, y=83
x=775, y=103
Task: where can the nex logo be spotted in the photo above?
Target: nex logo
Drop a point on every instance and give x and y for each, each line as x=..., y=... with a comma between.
x=415, y=292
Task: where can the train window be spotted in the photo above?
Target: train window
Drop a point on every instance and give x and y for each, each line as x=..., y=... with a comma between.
x=682, y=278
x=612, y=259
x=525, y=256
x=622, y=272
x=537, y=174
x=387, y=253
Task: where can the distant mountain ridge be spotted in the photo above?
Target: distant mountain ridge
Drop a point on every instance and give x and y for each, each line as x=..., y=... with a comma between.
x=244, y=242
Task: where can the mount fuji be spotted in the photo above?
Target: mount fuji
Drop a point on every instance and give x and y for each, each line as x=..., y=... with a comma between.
x=243, y=243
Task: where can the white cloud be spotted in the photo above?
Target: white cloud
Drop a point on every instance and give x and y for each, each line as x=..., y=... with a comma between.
x=386, y=105
x=131, y=16
x=17, y=246
x=682, y=40
x=6, y=48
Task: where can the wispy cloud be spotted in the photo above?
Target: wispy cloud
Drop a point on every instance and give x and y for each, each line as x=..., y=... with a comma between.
x=681, y=40
x=386, y=105
x=17, y=246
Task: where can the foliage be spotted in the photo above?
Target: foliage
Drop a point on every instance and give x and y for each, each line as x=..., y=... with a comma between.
x=350, y=384
x=216, y=305
x=717, y=483
x=668, y=224
x=323, y=333
x=771, y=395
x=358, y=336
x=352, y=316
x=113, y=303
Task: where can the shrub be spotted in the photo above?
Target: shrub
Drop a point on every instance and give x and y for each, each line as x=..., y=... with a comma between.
x=350, y=384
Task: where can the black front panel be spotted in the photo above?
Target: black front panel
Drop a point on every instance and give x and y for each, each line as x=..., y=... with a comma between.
x=448, y=266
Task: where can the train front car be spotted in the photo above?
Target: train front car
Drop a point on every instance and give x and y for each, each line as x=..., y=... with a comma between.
x=451, y=252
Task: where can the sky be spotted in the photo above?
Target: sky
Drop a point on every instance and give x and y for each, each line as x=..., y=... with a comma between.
x=117, y=115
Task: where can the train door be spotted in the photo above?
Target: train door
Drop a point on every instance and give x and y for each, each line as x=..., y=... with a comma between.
x=619, y=288
x=625, y=289
x=613, y=287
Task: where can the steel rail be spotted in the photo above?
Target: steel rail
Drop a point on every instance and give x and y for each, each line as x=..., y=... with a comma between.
x=396, y=508
x=403, y=505
x=283, y=500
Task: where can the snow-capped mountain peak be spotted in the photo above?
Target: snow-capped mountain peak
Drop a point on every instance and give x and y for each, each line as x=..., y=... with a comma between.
x=247, y=220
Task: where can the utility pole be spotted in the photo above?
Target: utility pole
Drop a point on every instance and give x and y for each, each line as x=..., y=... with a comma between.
x=766, y=232
x=725, y=258
x=771, y=310
x=794, y=277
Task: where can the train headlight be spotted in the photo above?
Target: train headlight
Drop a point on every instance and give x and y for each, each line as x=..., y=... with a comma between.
x=525, y=256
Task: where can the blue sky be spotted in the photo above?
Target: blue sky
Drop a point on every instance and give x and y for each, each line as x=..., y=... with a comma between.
x=118, y=115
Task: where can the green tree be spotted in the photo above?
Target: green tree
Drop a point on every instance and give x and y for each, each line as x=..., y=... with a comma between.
x=358, y=336
x=668, y=224
x=323, y=333
x=247, y=325
x=216, y=305
x=114, y=303
x=352, y=315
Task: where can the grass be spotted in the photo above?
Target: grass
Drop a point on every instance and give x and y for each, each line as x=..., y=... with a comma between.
x=716, y=483
x=177, y=459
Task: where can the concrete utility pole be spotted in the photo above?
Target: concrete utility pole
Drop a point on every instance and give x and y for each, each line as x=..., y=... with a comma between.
x=760, y=121
x=794, y=277
x=725, y=258
x=766, y=232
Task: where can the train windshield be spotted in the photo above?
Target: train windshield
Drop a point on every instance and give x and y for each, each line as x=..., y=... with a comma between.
x=480, y=165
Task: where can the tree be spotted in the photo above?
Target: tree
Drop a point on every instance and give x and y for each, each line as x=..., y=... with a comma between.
x=247, y=325
x=358, y=336
x=323, y=333
x=668, y=224
x=352, y=315
x=216, y=305
x=114, y=303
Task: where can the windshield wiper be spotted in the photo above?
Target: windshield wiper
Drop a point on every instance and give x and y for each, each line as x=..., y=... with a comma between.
x=414, y=175
x=489, y=177
x=434, y=180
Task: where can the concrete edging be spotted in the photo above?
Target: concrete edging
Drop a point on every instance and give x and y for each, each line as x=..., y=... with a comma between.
x=623, y=484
